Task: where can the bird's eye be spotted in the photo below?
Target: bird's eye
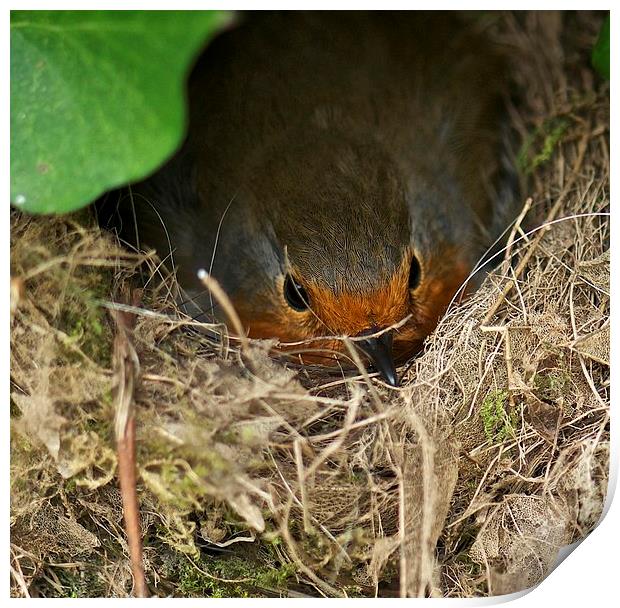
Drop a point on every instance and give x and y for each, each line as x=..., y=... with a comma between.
x=414, y=273
x=295, y=294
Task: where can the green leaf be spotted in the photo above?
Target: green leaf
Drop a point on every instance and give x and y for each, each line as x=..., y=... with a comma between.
x=600, y=53
x=97, y=99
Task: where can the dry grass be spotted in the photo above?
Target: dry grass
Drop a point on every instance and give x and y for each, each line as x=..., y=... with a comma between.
x=257, y=479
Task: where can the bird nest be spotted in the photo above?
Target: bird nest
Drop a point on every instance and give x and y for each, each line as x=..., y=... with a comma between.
x=256, y=478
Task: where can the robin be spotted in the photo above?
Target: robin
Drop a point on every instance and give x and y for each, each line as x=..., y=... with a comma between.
x=342, y=175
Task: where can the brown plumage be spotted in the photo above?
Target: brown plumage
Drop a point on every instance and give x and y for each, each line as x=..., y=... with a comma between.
x=358, y=154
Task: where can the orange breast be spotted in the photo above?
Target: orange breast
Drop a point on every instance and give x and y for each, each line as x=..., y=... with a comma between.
x=350, y=314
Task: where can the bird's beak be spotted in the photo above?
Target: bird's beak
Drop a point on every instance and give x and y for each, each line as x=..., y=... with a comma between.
x=379, y=351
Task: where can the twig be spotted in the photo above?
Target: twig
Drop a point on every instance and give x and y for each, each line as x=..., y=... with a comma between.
x=18, y=575
x=131, y=509
x=127, y=368
x=224, y=301
x=517, y=228
x=583, y=144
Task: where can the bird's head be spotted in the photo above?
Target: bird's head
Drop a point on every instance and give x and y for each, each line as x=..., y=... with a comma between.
x=344, y=250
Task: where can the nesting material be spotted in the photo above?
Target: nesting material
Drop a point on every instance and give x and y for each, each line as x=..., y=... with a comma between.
x=257, y=478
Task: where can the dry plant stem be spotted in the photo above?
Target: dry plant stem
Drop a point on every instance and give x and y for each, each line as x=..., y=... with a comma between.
x=17, y=573
x=583, y=145
x=404, y=567
x=293, y=497
x=503, y=331
x=323, y=587
x=517, y=228
x=127, y=367
x=586, y=375
x=358, y=362
x=429, y=500
x=333, y=447
x=224, y=301
x=302, y=484
x=131, y=511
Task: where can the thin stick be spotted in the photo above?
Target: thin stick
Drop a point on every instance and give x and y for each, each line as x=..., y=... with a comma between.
x=131, y=511
x=224, y=301
x=517, y=228
x=583, y=144
x=18, y=575
x=127, y=369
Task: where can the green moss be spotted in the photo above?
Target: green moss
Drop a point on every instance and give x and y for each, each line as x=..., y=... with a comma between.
x=353, y=591
x=70, y=486
x=247, y=434
x=498, y=423
x=84, y=321
x=539, y=147
x=275, y=578
x=101, y=425
x=233, y=576
x=14, y=411
x=106, y=397
x=194, y=583
x=176, y=486
x=552, y=385
x=82, y=582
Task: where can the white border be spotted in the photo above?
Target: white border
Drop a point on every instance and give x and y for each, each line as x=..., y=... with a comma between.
x=587, y=577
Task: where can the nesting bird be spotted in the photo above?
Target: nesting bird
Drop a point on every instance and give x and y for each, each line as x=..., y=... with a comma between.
x=342, y=176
